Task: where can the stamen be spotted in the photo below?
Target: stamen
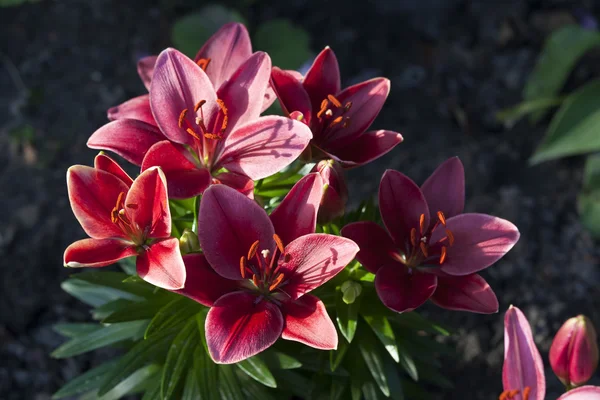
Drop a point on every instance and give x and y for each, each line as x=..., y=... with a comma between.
x=194, y=134
x=347, y=107
x=441, y=217
x=252, y=251
x=450, y=236
x=199, y=105
x=221, y=104
x=243, y=267
x=422, y=224
x=413, y=237
x=443, y=256
x=334, y=101
x=336, y=121
x=182, y=117
x=203, y=63
x=276, y=282
x=279, y=243
x=424, y=249
x=255, y=280
x=526, y=393
x=123, y=217
x=114, y=215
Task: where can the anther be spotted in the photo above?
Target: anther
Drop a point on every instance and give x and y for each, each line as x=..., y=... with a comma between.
x=182, y=117
x=450, y=236
x=243, y=267
x=252, y=251
x=276, y=282
x=347, y=107
x=221, y=104
x=422, y=223
x=413, y=237
x=255, y=280
x=443, y=255
x=203, y=63
x=334, y=101
x=441, y=217
x=265, y=253
x=194, y=134
x=336, y=121
x=424, y=249
x=199, y=105
x=324, y=104
x=526, y=393
x=278, y=242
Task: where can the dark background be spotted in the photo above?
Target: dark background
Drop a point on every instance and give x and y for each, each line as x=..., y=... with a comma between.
x=453, y=65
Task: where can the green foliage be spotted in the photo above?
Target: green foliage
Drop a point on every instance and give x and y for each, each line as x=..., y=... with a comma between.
x=13, y=3
x=288, y=45
x=589, y=198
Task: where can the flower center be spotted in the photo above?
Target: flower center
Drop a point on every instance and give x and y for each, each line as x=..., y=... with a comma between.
x=332, y=113
x=263, y=267
x=119, y=217
x=199, y=131
x=511, y=394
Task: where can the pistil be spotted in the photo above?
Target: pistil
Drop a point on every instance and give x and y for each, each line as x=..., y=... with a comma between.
x=263, y=267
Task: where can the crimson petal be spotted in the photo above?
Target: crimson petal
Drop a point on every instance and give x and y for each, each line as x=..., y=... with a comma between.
x=465, y=293
x=137, y=108
x=364, y=148
x=145, y=68
x=241, y=183
x=376, y=246
x=307, y=321
x=161, y=265
x=444, y=190
x=401, y=290
x=105, y=163
x=97, y=252
x=147, y=204
x=291, y=94
x=323, y=78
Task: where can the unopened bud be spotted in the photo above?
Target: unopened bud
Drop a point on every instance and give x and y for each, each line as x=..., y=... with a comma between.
x=335, y=192
x=188, y=243
x=574, y=352
x=350, y=291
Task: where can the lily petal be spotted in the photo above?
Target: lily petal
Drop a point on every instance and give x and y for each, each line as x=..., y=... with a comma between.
x=129, y=138
x=362, y=149
x=97, y=252
x=145, y=68
x=402, y=291
x=323, y=78
x=465, y=293
x=179, y=83
x=444, y=190
x=227, y=49
x=479, y=241
x=202, y=283
x=147, y=204
x=161, y=265
x=401, y=204
x=297, y=214
x=228, y=224
x=523, y=366
x=240, y=325
x=93, y=194
x=137, y=108
x=376, y=246
x=313, y=260
x=307, y=321
x=184, y=178
x=264, y=146
x=582, y=393
x=241, y=183
x=291, y=94
x=105, y=163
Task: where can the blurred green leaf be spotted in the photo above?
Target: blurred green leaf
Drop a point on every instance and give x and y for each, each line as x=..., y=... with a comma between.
x=393, y=379
x=228, y=383
x=278, y=360
x=561, y=52
x=338, y=387
x=179, y=358
x=153, y=391
x=256, y=368
x=288, y=46
x=337, y=356
x=407, y=362
x=207, y=375
x=71, y=330
x=128, y=265
x=141, y=289
x=346, y=315
x=383, y=330
x=140, y=310
x=368, y=346
x=173, y=313
x=192, y=30
x=94, y=295
x=191, y=389
x=253, y=390
x=109, y=308
x=294, y=382
x=85, y=382
x=134, y=383
x=512, y=115
x=589, y=198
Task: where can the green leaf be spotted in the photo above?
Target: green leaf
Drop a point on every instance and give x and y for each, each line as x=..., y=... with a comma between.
x=373, y=359
x=109, y=308
x=179, y=358
x=103, y=337
x=258, y=370
x=140, y=288
x=86, y=382
x=294, y=382
x=153, y=391
x=128, y=265
x=393, y=379
x=512, y=115
x=175, y=312
x=191, y=390
x=589, y=199
x=94, y=295
x=413, y=321
x=561, y=52
x=142, y=309
x=207, y=375
x=228, y=383
x=347, y=316
x=407, y=363
x=287, y=45
x=337, y=389
x=251, y=389
x=278, y=360
x=336, y=356
x=574, y=128
x=136, y=382
x=383, y=330
x=71, y=330
x=192, y=30
x=370, y=391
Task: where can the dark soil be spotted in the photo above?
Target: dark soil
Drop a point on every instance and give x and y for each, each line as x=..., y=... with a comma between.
x=453, y=65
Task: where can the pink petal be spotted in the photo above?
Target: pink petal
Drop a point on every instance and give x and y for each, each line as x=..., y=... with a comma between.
x=97, y=252
x=479, y=241
x=444, y=190
x=364, y=148
x=313, y=260
x=137, y=108
x=268, y=99
x=582, y=393
x=129, y=138
x=241, y=183
x=401, y=290
x=202, y=283
x=147, y=204
x=105, y=163
x=291, y=94
x=179, y=83
x=241, y=325
x=523, y=366
x=228, y=224
x=145, y=68
x=264, y=147
x=297, y=214
x=367, y=99
x=307, y=321
x=184, y=178
x=376, y=246
x=401, y=204
x=227, y=49
x=161, y=265
x=244, y=92
x=465, y=293
x=323, y=78
x=93, y=194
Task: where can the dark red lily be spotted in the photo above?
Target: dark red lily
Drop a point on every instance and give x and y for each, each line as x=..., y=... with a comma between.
x=338, y=118
x=430, y=249
x=257, y=270
x=124, y=218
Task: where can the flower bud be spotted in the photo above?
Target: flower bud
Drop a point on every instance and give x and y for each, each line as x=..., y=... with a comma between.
x=189, y=243
x=574, y=351
x=350, y=291
x=335, y=192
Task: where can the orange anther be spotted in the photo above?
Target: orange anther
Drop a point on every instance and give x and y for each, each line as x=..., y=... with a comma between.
x=191, y=132
x=336, y=121
x=221, y=104
x=278, y=242
x=213, y=136
x=203, y=63
x=334, y=101
x=441, y=217
x=243, y=267
x=182, y=117
x=199, y=105
x=252, y=251
x=276, y=282
x=255, y=280
x=526, y=393
x=450, y=236
x=443, y=255
x=424, y=249
x=324, y=104
x=413, y=237
x=422, y=223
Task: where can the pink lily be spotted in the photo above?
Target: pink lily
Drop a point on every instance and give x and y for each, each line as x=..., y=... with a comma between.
x=582, y=393
x=523, y=369
x=124, y=218
x=430, y=249
x=338, y=118
x=134, y=129
x=257, y=270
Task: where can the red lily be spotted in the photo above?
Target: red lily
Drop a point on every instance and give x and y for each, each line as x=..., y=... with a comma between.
x=257, y=270
x=432, y=250
x=124, y=218
x=338, y=118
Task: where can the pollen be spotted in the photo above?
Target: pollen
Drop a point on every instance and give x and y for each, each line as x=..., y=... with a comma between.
x=243, y=267
x=441, y=217
x=182, y=117
x=276, y=282
x=252, y=250
x=334, y=101
x=443, y=255
x=199, y=105
x=278, y=242
x=413, y=237
x=422, y=223
x=203, y=63
x=450, y=236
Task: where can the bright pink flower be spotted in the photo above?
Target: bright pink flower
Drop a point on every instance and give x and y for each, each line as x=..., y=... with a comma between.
x=338, y=118
x=124, y=218
x=582, y=393
x=523, y=369
x=574, y=351
x=335, y=192
x=430, y=249
x=257, y=270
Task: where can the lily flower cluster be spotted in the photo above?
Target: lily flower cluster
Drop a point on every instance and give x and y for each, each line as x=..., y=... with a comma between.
x=200, y=133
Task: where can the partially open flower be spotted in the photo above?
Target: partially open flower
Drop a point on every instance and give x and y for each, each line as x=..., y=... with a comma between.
x=574, y=351
x=335, y=192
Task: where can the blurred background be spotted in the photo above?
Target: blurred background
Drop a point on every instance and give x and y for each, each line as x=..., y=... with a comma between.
x=454, y=65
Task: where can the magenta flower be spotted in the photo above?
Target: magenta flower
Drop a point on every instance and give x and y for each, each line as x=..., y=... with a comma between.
x=523, y=369
x=124, y=218
x=338, y=118
x=430, y=249
x=582, y=393
x=257, y=271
